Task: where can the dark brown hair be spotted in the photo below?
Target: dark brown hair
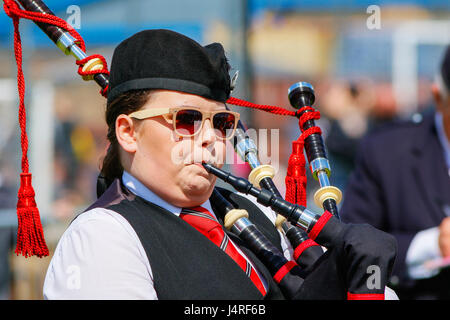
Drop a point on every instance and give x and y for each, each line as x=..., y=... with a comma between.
x=126, y=103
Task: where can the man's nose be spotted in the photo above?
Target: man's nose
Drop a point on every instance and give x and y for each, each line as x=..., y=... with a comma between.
x=207, y=134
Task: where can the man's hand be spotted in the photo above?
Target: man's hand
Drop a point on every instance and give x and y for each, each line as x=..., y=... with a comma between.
x=444, y=237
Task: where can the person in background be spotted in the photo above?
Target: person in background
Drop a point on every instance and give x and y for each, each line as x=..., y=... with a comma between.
x=401, y=185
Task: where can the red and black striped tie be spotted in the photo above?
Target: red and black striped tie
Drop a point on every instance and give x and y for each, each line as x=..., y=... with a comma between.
x=204, y=222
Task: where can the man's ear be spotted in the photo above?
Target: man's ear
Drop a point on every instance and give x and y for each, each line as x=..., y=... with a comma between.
x=126, y=133
x=437, y=96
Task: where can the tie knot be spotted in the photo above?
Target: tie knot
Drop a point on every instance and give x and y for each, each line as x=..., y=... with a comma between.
x=199, y=212
x=200, y=218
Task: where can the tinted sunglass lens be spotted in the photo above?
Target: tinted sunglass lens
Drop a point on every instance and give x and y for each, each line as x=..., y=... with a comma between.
x=188, y=122
x=224, y=122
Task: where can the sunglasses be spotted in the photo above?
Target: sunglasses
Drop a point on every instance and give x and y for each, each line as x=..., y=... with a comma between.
x=187, y=122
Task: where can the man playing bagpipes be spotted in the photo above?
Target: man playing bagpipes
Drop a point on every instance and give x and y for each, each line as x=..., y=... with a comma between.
x=142, y=239
x=161, y=229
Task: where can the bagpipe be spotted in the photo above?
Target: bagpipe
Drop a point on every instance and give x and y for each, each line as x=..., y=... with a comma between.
x=341, y=272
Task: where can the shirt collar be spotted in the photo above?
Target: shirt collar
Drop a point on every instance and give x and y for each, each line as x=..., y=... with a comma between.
x=438, y=120
x=136, y=187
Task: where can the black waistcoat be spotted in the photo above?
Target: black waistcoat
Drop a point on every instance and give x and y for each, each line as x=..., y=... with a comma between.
x=185, y=264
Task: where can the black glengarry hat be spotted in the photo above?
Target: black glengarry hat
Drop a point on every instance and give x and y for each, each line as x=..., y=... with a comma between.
x=164, y=59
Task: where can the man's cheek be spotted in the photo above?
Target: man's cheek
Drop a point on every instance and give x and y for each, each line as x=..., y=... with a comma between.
x=182, y=153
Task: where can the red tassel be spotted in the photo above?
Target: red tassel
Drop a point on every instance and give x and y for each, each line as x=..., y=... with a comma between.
x=296, y=175
x=30, y=235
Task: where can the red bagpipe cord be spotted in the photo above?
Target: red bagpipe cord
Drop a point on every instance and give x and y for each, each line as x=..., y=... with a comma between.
x=30, y=235
x=296, y=172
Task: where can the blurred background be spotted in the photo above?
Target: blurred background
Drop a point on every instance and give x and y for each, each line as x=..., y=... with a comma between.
x=369, y=61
